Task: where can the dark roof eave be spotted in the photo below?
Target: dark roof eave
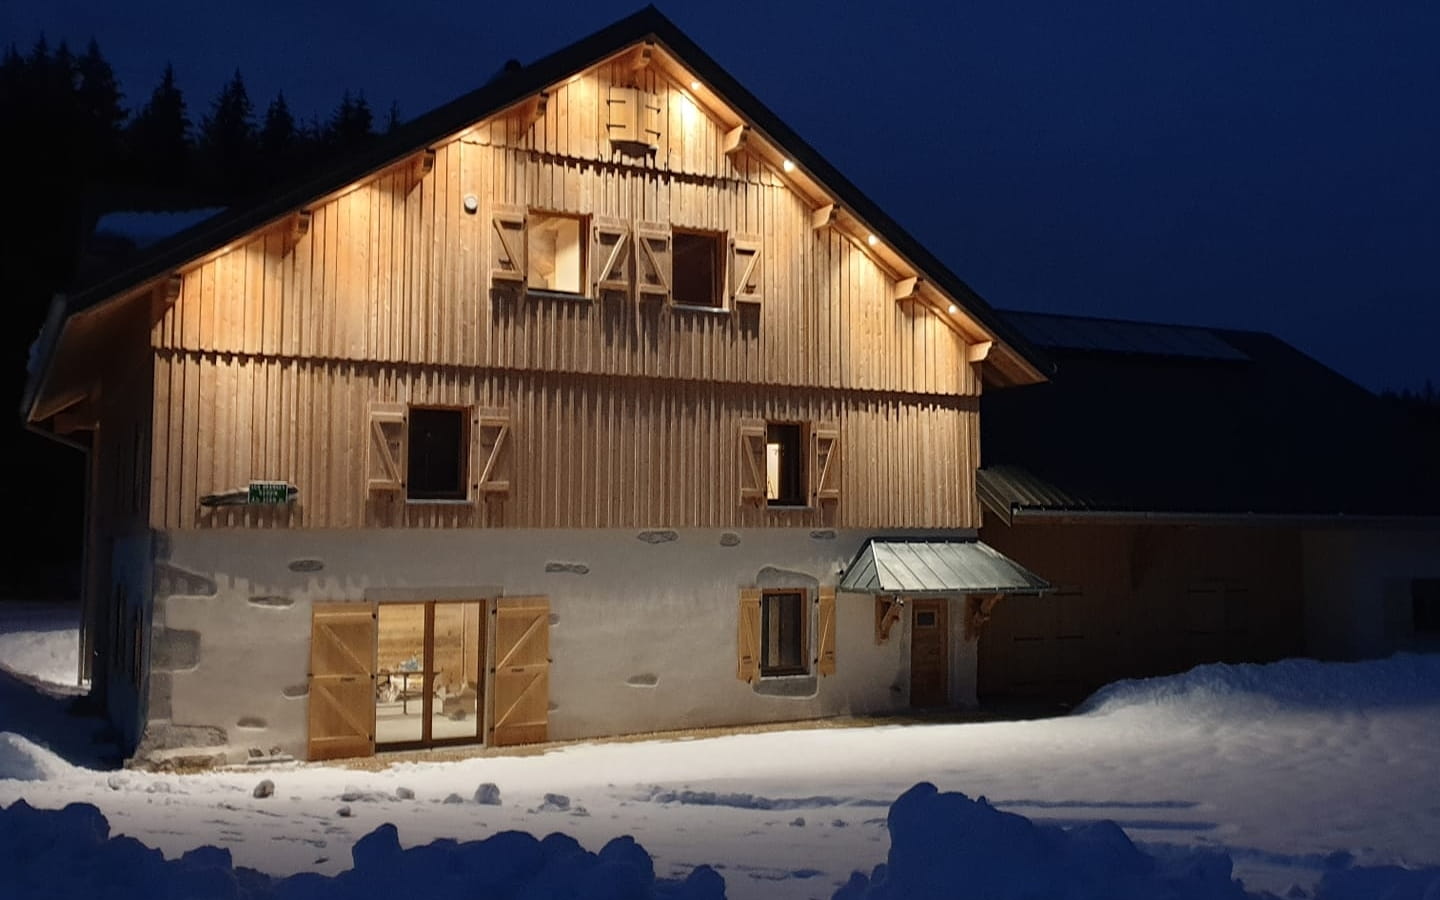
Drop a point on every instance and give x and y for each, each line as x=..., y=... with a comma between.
x=1063, y=516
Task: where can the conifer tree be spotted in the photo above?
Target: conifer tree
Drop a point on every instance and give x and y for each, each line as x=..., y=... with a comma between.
x=227, y=143
x=160, y=137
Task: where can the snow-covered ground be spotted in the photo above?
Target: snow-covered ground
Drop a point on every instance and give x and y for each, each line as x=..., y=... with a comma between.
x=1293, y=770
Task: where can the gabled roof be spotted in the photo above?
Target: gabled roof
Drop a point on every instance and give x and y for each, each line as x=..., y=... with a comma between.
x=1164, y=421
x=511, y=87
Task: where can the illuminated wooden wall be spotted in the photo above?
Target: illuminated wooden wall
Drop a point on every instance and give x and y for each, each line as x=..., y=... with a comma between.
x=624, y=412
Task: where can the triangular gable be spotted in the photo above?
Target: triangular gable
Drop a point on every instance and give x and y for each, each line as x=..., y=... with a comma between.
x=753, y=129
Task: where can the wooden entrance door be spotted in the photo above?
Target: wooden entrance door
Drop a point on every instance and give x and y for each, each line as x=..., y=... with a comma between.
x=929, y=652
x=342, y=681
x=522, y=671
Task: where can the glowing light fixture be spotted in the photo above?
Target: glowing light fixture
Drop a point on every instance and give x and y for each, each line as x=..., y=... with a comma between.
x=694, y=85
x=954, y=309
x=872, y=240
x=787, y=165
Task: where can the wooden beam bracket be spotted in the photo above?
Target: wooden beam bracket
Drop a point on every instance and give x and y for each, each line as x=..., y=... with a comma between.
x=978, y=610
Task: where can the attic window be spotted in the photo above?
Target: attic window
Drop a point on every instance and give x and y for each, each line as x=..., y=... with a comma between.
x=556, y=252
x=696, y=257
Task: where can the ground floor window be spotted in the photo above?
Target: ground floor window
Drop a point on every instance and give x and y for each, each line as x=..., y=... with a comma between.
x=782, y=633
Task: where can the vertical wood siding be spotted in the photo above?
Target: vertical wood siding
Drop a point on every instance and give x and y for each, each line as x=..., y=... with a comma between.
x=265, y=364
x=588, y=452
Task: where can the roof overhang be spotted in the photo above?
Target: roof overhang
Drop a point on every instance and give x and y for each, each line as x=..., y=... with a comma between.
x=1035, y=516
x=917, y=568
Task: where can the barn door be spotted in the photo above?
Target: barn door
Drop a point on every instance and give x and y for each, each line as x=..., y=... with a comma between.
x=342, y=681
x=522, y=671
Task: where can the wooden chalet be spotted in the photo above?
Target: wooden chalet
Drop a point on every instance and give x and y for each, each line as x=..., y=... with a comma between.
x=561, y=412
x=1230, y=500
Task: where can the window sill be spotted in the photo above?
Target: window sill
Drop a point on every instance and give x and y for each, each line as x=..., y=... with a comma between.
x=422, y=501
x=702, y=310
x=547, y=294
x=788, y=676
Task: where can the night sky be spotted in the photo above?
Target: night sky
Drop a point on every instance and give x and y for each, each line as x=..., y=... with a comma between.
x=1264, y=165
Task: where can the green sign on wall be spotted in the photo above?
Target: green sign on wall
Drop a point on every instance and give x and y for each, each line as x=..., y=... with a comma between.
x=269, y=493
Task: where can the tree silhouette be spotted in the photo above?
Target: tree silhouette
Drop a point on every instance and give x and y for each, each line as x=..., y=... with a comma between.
x=159, y=138
x=227, y=147
x=99, y=100
x=352, y=125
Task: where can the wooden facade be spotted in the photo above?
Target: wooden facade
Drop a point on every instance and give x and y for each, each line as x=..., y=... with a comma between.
x=624, y=408
x=1134, y=601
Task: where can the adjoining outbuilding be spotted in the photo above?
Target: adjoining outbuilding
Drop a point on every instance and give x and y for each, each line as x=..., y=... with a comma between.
x=1199, y=495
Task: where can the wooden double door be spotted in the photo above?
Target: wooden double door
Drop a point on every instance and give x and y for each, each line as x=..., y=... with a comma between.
x=428, y=673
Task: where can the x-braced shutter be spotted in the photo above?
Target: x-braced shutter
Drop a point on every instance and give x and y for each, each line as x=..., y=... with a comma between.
x=752, y=462
x=610, y=255
x=826, y=439
x=492, y=452
x=652, y=260
x=745, y=270
x=385, y=455
x=748, y=636
x=507, y=253
x=341, y=698
x=825, y=646
x=522, y=671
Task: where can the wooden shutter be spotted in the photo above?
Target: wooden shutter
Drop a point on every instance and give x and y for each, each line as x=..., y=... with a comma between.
x=748, y=636
x=745, y=270
x=610, y=255
x=622, y=114
x=522, y=671
x=752, y=462
x=493, y=456
x=648, y=132
x=342, y=681
x=652, y=260
x=826, y=463
x=507, y=253
x=385, y=456
x=825, y=646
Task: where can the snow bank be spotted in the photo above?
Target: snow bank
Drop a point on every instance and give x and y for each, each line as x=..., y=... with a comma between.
x=69, y=853
x=941, y=842
x=942, y=846
x=23, y=760
x=1292, y=684
x=41, y=641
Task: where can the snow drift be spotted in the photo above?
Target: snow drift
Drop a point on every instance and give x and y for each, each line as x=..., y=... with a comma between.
x=23, y=760
x=943, y=846
x=1288, y=685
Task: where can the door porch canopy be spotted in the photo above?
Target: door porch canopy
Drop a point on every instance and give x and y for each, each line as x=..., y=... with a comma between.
x=918, y=568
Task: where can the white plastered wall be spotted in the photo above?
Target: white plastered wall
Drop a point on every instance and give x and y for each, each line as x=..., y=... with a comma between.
x=643, y=624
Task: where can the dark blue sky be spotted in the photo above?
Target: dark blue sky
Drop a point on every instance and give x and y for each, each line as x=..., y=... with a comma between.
x=1266, y=165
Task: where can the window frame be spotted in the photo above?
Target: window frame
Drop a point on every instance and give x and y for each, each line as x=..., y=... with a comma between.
x=763, y=668
x=533, y=217
x=462, y=493
x=718, y=282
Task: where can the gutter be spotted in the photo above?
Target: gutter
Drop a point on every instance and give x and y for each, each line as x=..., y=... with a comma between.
x=1019, y=514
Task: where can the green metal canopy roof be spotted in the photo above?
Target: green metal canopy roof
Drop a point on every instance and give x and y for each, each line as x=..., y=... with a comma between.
x=937, y=567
